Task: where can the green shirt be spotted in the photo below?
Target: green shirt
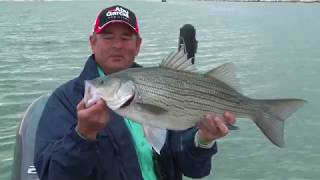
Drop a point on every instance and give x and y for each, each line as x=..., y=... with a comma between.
x=142, y=147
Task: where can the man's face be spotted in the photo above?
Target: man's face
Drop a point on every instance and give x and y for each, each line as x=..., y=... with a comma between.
x=116, y=48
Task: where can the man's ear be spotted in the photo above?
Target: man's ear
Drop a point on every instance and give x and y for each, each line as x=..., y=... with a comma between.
x=138, y=45
x=92, y=40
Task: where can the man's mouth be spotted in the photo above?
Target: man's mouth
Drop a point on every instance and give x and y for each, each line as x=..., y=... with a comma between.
x=115, y=56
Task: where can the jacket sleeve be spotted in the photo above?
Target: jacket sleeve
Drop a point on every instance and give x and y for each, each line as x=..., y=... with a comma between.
x=194, y=162
x=59, y=152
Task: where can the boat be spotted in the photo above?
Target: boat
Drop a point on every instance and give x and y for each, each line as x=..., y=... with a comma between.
x=23, y=168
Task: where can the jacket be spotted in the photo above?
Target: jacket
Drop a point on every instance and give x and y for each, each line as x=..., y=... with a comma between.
x=61, y=154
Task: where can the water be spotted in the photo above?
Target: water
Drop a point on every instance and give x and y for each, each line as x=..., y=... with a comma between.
x=275, y=47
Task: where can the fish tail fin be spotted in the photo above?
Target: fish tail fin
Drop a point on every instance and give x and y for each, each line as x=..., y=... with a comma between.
x=272, y=116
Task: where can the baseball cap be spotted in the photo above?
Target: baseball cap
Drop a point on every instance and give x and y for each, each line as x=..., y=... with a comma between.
x=114, y=14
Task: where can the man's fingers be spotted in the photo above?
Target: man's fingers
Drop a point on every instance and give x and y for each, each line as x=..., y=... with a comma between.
x=97, y=108
x=212, y=127
x=220, y=125
x=229, y=118
x=81, y=105
x=204, y=126
x=101, y=102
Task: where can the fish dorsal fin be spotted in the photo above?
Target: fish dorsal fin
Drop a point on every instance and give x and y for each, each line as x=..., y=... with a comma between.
x=178, y=61
x=226, y=74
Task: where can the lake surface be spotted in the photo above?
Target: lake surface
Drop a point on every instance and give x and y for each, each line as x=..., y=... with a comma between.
x=275, y=47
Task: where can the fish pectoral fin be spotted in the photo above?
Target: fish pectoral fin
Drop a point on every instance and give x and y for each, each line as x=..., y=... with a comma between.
x=152, y=109
x=156, y=137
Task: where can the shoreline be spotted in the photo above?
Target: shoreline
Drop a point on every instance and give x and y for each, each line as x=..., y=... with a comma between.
x=274, y=1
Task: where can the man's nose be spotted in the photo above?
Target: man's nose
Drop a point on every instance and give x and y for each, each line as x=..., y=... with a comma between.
x=117, y=43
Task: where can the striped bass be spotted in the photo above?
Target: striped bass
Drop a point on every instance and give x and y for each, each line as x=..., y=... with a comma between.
x=173, y=96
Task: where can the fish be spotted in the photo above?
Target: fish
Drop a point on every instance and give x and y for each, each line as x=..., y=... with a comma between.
x=175, y=96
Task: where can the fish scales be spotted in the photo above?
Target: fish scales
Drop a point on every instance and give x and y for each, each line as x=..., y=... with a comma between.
x=188, y=82
x=199, y=96
x=194, y=91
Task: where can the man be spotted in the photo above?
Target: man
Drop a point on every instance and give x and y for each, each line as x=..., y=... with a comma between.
x=78, y=143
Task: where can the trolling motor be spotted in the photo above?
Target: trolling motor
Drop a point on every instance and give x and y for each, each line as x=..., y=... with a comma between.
x=187, y=39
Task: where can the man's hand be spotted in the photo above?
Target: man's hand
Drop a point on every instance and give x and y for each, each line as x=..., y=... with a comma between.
x=213, y=127
x=92, y=119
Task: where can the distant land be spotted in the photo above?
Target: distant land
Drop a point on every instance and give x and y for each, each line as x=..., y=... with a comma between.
x=291, y=1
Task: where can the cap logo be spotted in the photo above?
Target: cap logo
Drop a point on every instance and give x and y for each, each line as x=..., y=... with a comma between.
x=115, y=14
x=118, y=11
